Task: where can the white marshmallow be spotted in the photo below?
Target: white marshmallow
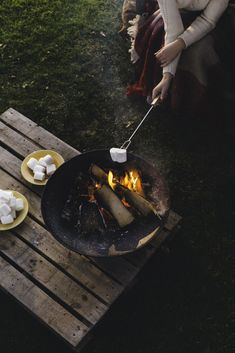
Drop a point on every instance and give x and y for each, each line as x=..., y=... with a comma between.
x=19, y=204
x=5, y=209
x=42, y=162
x=51, y=168
x=12, y=203
x=118, y=154
x=13, y=214
x=39, y=176
x=39, y=168
x=7, y=219
x=9, y=193
x=48, y=159
x=5, y=196
x=32, y=163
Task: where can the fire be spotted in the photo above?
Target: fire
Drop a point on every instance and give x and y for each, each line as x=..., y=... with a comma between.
x=131, y=181
x=111, y=180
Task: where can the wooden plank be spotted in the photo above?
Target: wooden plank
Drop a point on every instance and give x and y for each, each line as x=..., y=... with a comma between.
x=37, y=134
x=53, y=279
x=40, y=304
x=117, y=267
x=162, y=236
x=14, y=140
x=79, y=267
x=12, y=164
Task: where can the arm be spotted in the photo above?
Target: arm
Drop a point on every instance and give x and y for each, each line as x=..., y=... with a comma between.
x=204, y=23
x=173, y=27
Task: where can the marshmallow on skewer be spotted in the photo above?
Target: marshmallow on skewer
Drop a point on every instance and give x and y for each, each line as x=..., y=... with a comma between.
x=39, y=176
x=51, y=168
x=118, y=154
x=19, y=204
x=7, y=219
x=32, y=163
x=39, y=168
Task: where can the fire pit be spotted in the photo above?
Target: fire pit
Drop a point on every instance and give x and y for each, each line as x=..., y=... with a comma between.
x=98, y=207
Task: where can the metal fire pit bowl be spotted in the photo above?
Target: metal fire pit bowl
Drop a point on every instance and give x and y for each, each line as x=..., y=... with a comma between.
x=109, y=243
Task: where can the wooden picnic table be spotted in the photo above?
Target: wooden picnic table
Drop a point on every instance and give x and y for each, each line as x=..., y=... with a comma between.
x=68, y=292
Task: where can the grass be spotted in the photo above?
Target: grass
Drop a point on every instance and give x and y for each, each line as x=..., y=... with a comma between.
x=64, y=66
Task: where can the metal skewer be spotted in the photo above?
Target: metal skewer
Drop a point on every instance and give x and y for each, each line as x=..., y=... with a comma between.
x=154, y=104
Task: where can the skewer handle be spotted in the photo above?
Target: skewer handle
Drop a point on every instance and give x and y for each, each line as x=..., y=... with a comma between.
x=156, y=101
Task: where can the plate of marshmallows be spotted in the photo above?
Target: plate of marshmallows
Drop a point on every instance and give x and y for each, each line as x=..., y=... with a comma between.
x=38, y=166
x=13, y=209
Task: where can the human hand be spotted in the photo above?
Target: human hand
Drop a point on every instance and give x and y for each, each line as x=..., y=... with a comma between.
x=169, y=52
x=163, y=87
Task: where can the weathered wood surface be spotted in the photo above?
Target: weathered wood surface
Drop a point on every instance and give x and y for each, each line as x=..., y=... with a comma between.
x=40, y=304
x=37, y=134
x=67, y=291
x=45, y=273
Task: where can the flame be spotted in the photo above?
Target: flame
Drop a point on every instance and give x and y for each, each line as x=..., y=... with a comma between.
x=111, y=181
x=131, y=181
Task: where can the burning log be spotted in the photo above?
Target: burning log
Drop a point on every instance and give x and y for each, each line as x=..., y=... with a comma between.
x=99, y=173
x=113, y=204
x=136, y=200
x=133, y=198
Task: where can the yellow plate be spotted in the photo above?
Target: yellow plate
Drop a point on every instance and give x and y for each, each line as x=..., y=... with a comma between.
x=21, y=215
x=28, y=174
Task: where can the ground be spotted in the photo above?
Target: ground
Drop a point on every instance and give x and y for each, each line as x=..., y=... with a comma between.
x=64, y=65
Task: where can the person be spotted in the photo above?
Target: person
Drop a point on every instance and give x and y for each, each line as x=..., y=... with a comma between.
x=177, y=39
x=159, y=40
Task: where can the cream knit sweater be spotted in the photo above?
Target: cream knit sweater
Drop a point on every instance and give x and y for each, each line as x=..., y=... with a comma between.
x=202, y=25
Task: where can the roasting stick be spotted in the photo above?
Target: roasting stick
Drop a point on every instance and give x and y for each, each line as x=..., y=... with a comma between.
x=156, y=102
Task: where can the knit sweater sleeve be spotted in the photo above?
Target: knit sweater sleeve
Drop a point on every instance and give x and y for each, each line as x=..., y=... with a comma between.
x=200, y=27
x=204, y=23
x=173, y=26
